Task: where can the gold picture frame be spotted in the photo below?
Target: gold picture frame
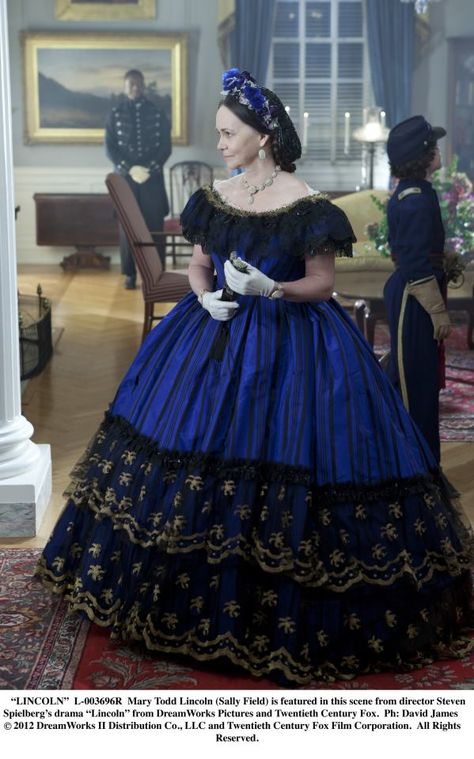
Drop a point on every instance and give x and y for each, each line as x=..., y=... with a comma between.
x=105, y=10
x=72, y=81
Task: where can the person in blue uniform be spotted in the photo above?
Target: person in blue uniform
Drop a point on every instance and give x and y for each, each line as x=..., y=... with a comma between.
x=138, y=142
x=415, y=294
x=257, y=493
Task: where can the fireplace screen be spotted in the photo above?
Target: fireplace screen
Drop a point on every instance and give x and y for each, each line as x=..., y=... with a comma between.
x=36, y=344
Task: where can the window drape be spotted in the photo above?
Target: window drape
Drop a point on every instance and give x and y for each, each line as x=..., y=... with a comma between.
x=391, y=31
x=251, y=37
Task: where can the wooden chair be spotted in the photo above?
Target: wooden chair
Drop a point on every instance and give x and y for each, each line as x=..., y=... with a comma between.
x=355, y=307
x=185, y=178
x=158, y=286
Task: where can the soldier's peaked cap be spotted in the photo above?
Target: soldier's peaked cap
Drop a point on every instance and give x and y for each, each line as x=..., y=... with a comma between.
x=410, y=139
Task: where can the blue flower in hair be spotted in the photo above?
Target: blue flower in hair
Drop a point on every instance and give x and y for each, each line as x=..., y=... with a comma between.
x=234, y=78
x=254, y=96
x=231, y=72
x=230, y=79
x=242, y=86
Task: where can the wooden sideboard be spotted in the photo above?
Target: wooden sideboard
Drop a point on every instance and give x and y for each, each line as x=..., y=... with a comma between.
x=84, y=220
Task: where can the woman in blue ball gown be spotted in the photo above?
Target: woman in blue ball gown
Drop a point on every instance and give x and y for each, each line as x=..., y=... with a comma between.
x=256, y=492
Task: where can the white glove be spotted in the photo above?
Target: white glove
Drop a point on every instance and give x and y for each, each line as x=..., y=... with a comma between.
x=221, y=310
x=139, y=174
x=251, y=282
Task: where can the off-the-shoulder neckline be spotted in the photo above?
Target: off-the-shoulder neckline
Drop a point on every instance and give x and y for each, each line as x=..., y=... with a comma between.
x=217, y=200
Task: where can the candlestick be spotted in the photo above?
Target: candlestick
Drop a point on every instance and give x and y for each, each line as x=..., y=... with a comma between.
x=305, y=130
x=347, y=132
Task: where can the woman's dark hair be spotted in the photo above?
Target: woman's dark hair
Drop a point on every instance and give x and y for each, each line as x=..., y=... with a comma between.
x=284, y=141
x=417, y=168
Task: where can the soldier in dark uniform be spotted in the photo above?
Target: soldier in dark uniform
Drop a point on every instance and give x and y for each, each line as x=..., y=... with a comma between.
x=138, y=142
x=415, y=294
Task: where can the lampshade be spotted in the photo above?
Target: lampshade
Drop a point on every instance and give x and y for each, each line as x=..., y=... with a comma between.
x=373, y=131
x=421, y=6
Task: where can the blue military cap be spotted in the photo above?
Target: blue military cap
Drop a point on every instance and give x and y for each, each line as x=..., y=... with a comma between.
x=409, y=139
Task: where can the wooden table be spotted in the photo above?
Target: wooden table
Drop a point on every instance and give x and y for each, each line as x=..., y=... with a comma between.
x=84, y=220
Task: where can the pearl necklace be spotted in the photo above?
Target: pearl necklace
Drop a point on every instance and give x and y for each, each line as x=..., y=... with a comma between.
x=252, y=189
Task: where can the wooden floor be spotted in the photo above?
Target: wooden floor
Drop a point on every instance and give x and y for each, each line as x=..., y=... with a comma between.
x=101, y=325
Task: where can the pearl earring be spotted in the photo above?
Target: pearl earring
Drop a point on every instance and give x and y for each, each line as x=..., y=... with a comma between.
x=261, y=154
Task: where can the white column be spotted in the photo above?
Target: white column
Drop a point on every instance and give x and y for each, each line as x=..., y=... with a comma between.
x=25, y=468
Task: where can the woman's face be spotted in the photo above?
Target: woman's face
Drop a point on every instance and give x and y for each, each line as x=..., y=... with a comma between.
x=435, y=163
x=238, y=143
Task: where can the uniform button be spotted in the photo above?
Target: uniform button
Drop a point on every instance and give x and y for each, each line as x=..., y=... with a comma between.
x=120, y=142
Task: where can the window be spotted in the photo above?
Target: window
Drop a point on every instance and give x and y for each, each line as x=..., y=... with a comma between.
x=319, y=68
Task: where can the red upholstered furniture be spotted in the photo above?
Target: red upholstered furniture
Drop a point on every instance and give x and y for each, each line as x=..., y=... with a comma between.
x=158, y=286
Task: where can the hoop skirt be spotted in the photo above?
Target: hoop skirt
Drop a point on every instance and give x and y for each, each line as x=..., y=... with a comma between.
x=257, y=491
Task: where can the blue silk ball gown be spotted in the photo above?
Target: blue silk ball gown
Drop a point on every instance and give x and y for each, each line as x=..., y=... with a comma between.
x=256, y=491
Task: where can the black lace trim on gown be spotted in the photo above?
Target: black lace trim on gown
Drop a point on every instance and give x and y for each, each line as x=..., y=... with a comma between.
x=326, y=495
x=149, y=537
x=308, y=226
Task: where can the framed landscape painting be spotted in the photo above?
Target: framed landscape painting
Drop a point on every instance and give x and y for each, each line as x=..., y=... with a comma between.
x=72, y=81
x=108, y=10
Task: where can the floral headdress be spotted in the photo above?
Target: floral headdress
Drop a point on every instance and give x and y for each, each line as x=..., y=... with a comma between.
x=242, y=86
